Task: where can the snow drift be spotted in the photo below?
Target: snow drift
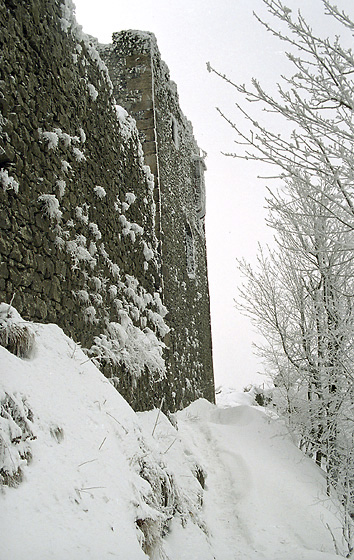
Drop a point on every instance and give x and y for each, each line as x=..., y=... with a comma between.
x=85, y=477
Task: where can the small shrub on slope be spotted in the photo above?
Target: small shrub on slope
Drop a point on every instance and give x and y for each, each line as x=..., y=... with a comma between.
x=15, y=434
x=17, y=337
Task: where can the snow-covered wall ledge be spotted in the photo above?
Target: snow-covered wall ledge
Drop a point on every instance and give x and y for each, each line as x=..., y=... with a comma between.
x=77, y=213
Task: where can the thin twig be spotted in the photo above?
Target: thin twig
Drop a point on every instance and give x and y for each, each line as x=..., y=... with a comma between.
x=90, y=360
x=334, y=540
x=169, y=447
x=73, y=354
x=104, y=439
x=85, y=463
x=126, y=431
x=10, y=305
x=90, y=488
x=158, y=414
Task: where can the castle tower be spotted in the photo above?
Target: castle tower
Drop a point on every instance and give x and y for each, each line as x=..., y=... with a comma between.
x=142, y=86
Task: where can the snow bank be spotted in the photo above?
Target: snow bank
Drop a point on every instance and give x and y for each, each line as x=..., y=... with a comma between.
x=101, y=481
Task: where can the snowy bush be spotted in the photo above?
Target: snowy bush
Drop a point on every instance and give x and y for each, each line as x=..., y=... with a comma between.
x=65, y=166
x=82, y=135
x=127, y=123
x=95, y=230
x=137, y=229
x=125, y=344
x=50, y=206
x=130, y=198
x=80, y=215
x=65, y=138
x=78, y=251
x=112, y=291
x=61, y=187
x=149, y=177
x=78, y=154
x=92, y=248
x=158, y=322
x=82, y=296
x=17, y=337
x=7, y=182
x=90, y=314
x=160, y=499
x=51, y=138
x=15, y=434
x=96, y=283
x=99, y=191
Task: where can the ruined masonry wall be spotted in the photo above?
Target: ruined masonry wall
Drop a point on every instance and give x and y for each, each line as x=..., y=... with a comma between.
x=89, y=238
x=142, y=84
x=77, y=215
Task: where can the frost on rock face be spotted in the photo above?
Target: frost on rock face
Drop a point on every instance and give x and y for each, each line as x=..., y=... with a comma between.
x=81, y=215
x=92, y=91
x=99, y=192
x=148, y=252
x=149, y=177
x=65, y=166
x=90, y=314
x=78, y=154
x=130, y=198
x=69, y=24
x=128, y=345
x=127, y=316
x=61, y=184
x=130, y=229
x=127, y=123
x=95, y=231
x=51, y=138
x=78, y=251
x=50, y=206
x=7, y=182
x=16, y=429
x=82, y=135
x=82, y=296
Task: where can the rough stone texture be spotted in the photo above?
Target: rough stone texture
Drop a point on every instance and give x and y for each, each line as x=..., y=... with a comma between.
x=142, y=85
x=81, y=218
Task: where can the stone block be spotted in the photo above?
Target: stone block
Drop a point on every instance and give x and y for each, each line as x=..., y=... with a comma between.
x=55, y=290
x=41, y=309
x=16, y=253
x=49, y=91
x=4, y=271
x=149, y=148
x=5, y=246
x=4, y=222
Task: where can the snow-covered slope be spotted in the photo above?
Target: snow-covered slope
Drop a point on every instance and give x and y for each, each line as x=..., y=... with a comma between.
x=100, y=481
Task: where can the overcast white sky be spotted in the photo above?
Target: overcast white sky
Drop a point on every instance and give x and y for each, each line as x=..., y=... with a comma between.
x=225, y=32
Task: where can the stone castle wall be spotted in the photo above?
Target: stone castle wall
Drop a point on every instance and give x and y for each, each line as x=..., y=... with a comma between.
x=142, y=84
x=81, y=216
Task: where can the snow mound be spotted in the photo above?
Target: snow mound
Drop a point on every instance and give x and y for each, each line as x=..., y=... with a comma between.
x=240, y=415
x=98, y=480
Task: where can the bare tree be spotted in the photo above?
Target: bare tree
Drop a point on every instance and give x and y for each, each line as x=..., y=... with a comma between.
x=301, y=294
x=318, y=99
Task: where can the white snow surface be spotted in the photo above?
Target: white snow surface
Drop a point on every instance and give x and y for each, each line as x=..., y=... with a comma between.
x=82, y=491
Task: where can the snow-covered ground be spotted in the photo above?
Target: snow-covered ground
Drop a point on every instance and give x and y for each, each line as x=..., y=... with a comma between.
x=100, y=481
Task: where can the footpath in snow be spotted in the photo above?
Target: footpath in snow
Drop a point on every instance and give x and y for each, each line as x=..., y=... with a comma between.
x=84, y=477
